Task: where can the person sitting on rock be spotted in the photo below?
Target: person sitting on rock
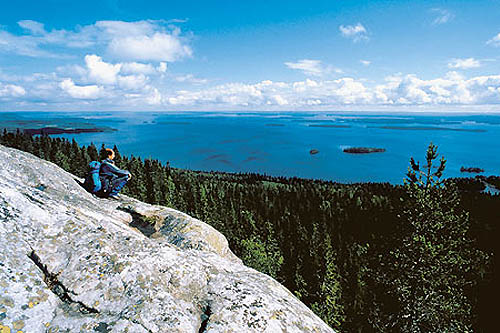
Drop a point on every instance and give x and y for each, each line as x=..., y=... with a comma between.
x=112, y=178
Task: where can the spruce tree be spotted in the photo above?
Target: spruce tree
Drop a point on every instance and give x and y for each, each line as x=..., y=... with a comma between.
x=92, y=152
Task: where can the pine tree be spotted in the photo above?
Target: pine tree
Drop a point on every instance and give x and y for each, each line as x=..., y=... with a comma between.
x=430, y=271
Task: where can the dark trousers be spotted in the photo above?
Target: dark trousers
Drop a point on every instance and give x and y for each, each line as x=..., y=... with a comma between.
x=117, y=184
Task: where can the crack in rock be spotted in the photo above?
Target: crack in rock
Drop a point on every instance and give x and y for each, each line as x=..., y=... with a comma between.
x=58, y=288
x=205, y=318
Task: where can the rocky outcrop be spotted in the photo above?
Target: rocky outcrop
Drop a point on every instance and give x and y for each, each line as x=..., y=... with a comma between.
x=70, y=262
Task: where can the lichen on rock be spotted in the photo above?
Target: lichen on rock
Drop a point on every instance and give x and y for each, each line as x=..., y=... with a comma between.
x=73, y=262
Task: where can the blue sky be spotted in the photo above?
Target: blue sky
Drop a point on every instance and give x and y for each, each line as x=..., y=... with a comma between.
x=250, y=55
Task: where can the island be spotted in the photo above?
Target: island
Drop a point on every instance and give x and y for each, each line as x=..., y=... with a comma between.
x=313, y=151
x=363, y=150
x=58, y=130
x=471, y=169
x=328, y=126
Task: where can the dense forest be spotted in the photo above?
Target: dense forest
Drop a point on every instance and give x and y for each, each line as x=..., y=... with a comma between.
x=366, y=257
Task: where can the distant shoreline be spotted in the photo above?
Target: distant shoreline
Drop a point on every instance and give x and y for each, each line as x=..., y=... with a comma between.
x=57, y=130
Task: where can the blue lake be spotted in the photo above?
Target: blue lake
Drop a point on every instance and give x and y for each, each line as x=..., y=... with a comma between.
x=280, y=143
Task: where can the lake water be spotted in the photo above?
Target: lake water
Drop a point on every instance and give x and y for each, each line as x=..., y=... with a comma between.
x=280, y=143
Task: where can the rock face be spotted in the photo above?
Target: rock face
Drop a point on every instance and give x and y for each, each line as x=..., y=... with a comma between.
x=70, y=262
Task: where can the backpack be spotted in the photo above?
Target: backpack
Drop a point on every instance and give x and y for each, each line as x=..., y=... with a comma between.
x=92, y=181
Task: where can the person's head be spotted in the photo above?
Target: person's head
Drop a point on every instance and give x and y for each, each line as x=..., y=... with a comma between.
x=110, y=153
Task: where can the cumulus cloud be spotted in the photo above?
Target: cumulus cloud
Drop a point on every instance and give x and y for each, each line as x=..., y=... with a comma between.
x=466, y=63
x=269, y=93
x=80, y=92
x=132, y=82
x=131, y=41
x=101, y=72
x=495, y=41
x=365, y=62
x=117, y=83
x=11, y=90
x=355, y=32
x=132, y=85
x=137, y=68
x=442, y=16
x=312, y=67
x=158, y=47
x=398, y=90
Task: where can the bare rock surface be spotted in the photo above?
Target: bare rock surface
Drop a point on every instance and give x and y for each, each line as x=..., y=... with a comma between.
x=70, y=262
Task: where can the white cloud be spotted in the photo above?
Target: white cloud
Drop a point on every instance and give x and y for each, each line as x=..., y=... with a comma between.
x=72, y=70
x=11, y=90
x=158, y=47
x=365, y=62
x=162, y=67
x=495, y=41
x=279, y=100
x=312, y=67
x=101, y=72
x=137, y=68
x=132, y=82
x=277, y=94
x=24, y=45
x=106, y=85
x=442, y=16
x=80, y=92
x=190, y=78
x=154, y=98
x=122, y=28
x=131, y=41
x=454, y=76
x=36, y=28
x=308, y=66
x=399, y=90
x=302, y=86
x=466, y=63
x=355, y=32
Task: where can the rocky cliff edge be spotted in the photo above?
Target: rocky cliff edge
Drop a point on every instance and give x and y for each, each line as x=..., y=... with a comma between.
x=70, y=262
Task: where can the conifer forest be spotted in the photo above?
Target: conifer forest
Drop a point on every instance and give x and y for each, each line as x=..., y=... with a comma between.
x=366, y=257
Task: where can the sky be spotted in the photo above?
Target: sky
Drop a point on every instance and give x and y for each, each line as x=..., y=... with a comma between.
x=250, y=55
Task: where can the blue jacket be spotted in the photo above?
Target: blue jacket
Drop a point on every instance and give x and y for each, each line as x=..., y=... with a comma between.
x=109, y=171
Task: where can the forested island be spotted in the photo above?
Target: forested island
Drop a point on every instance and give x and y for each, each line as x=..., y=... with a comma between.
x=363, y=150
x=471, y=169
x=328, y=126
x=57, y=130
x=366, y=257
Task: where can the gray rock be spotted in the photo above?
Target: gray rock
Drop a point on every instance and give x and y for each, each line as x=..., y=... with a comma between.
x=70, y=262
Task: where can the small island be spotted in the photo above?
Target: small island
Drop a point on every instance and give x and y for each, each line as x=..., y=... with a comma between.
x=57, y=130
x=328, y=126
x=471, y=169
x=313, y=151
x=363, y=150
